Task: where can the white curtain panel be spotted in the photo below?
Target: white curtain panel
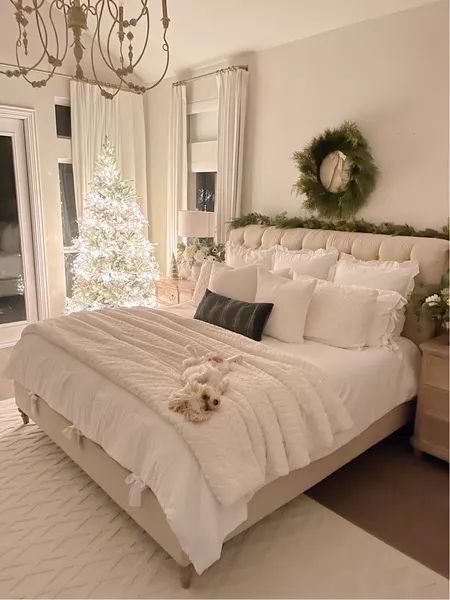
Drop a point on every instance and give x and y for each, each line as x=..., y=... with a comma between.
x=122, y=120
x=232, y=91
x=178, y=169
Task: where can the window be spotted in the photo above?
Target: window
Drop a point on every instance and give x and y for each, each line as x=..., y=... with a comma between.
x=66, y=188
x=202, y=155
x=205, y=191
x=69, y=220
x=63, y=124
x=68, y=208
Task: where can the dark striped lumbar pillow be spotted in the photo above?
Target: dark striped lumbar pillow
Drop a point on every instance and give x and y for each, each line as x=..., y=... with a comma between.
x=246, y=318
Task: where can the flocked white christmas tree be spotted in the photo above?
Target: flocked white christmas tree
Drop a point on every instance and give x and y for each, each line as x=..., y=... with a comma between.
x=115, y=265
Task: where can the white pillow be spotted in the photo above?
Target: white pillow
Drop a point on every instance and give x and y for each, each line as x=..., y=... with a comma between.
x=205, y=276
x=379, y=274
x=282, y=272
x=290, y=304
x=202, y=281
x=315, y=263
x=340, y=315
x=240, y=256
x=238, y=284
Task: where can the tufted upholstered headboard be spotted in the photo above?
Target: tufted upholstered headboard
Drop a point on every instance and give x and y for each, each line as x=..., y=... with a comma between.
x=432, y=254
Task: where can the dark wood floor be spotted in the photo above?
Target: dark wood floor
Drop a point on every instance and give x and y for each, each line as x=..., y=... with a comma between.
x=396, y=496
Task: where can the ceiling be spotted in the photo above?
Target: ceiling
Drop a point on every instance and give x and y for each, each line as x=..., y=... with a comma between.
x=204, y=32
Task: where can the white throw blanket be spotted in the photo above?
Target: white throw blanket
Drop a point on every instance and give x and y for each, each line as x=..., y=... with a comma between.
x=278, y=409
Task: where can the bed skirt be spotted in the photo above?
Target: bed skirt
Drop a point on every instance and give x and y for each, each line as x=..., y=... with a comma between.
x=110, y=476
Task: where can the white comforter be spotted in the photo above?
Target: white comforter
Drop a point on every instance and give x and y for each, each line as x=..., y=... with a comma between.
x=276, y=414
x=146, y=444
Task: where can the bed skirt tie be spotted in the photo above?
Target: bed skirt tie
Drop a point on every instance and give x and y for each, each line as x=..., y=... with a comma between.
x=136, y=486
x=73, y=433
x=34, y=398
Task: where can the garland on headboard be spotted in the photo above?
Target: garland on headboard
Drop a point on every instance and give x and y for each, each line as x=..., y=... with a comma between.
x=282, y=221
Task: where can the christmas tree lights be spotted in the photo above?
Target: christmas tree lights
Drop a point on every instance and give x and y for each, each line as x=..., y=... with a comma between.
x=115, y=264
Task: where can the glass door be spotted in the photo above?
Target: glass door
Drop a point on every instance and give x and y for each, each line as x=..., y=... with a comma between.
x=18, y=302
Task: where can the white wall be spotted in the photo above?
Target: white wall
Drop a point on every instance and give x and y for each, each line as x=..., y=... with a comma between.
x=390, y=75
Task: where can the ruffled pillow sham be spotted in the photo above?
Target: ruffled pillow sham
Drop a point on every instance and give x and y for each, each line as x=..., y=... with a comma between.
x=237, y=255
x=315, y=263
x=353, y=317
x=340, y=316
x=377, y=274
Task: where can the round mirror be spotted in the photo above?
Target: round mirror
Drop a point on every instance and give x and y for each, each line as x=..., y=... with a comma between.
x=335, y=171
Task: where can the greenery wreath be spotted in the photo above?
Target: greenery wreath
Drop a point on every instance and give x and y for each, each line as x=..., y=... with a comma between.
x=362, y=172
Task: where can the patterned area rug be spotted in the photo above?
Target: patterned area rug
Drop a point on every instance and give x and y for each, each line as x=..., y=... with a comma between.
x=62, y=537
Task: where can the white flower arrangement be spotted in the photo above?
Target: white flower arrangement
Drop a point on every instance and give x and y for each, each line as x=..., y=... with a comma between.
x=433, y=300
x=199, y=250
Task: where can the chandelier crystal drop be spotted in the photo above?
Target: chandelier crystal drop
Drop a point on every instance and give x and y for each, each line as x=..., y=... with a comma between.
x=104, y=32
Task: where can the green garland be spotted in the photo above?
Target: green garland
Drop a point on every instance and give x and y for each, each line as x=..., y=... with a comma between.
x=281, y=221
x=363, y=173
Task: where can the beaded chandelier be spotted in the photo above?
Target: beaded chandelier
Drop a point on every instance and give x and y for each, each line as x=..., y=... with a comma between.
x=104, y=31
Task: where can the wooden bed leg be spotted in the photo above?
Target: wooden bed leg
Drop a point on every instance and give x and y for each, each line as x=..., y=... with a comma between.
x=186, y=576
x=25, y=417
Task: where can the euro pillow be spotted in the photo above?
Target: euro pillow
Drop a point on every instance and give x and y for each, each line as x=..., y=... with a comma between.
x=238, y=284
x=290, y=301
x=202, y=282
x=245, y=318
x=340, y=316
x=205, y=276
x=240, y=256
x=377, y=274
x=315, y=263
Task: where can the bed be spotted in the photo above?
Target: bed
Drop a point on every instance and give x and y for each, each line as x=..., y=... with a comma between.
x=193, y=531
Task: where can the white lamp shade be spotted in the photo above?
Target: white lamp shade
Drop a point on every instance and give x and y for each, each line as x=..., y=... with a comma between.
x=195, y=224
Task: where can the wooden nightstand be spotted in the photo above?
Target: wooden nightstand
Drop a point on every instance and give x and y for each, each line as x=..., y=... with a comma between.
x=432, y=414
x=174, y=291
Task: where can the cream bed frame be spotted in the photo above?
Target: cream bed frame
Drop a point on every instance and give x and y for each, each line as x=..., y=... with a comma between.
x=432, y=256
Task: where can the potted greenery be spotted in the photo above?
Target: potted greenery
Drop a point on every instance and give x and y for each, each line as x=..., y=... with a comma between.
x=433, y=301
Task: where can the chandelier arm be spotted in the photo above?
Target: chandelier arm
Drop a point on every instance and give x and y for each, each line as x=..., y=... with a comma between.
x=91, y=9
x=147, y=35
x=166, y=49
x=36, y=4
x=108, y=4
x=144, y=12
x=108, y=38
x=104, y=92
x=106, y=60
x=108, y=43
x=44, y=42
x=59, y=60
x=66, y=29
x=24, y=70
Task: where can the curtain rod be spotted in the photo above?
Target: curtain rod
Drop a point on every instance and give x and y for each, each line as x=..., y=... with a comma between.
x=232, y=68
x=73, y=78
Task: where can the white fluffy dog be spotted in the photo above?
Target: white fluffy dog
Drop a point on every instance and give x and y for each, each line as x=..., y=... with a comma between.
x=204, y=379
